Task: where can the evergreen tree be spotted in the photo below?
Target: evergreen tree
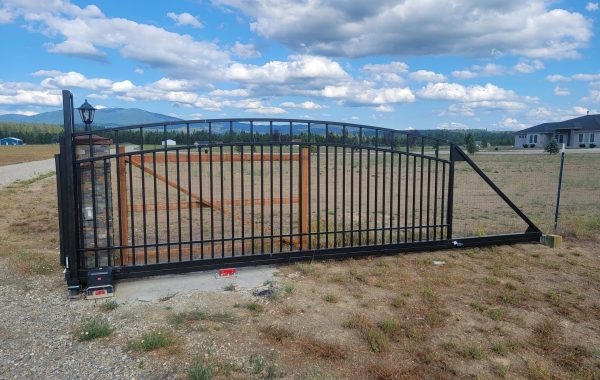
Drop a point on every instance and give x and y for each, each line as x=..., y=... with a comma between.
x=470, y=144
x=552, y=147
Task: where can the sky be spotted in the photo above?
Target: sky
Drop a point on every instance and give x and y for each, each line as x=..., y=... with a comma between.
x=403, y=64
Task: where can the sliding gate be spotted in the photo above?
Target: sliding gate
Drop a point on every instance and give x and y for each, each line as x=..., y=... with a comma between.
x=192, y=195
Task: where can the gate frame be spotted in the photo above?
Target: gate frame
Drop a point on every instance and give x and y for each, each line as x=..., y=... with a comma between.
x=69, y=213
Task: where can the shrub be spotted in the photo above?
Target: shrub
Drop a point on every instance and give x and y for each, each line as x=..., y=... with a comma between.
x=255, y=307
x=532, y=145
x=377, y=340
x=473, y=352
x=525, y=146
x=582, y=145
x=592, y=145
x=470, y=143
x=330, y=298
x=109, y=305
x=552, y=147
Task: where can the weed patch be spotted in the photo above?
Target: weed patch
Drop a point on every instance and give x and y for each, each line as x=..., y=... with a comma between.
x=152, y=340
x=94, y=328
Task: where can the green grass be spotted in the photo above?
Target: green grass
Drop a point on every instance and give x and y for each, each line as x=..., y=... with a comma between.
x=197, y=371
x=500, y=348
x=109, y=305
x=376, y=340
x=398, y=302
x=196, y=315
x=288, y=288
x=94, y=328
x=229, y=288
x=496, y=314
x=473, y=352
x=255, y=307
x=152, y=340
x=388, y=326
x=330, y=298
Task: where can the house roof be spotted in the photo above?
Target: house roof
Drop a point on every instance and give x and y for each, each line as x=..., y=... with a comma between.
x=582, y=123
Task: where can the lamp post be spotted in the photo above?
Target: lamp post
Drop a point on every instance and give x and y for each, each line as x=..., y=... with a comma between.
x=86, y=111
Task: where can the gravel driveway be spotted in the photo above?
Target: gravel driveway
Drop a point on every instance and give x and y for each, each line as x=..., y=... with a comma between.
x=26, y=170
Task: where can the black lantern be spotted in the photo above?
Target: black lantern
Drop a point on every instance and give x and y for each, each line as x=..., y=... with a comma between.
x=86, y=111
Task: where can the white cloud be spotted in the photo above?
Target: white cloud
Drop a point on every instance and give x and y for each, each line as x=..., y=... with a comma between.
x=387, y=27
x=526, y=67
x=6, y=16
x=245, y=50
x=32, y=97
x=138, y=70
x=360, y=94
x=236, y=92
x=86, y=32
x=464, y=74
x=511, y=124
x=73, y=79
x=561, y=91
x=458, y=92
x=557, y=78
x=298, y=68
x=185, y=18
x=452, y=125
x=384, y=108
x=307, y=105
x=579, y=77
x=426, y=76
x=266, y=110
x=591, y=7
x=388, y=72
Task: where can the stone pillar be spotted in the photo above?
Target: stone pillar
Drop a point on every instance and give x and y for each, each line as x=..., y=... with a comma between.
x=98, y=193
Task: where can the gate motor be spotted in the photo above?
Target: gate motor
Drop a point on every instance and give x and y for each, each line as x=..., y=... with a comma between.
x=100, y=283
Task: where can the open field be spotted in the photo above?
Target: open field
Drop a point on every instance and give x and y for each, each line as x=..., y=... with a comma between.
x=522, y=311
x=24, y=153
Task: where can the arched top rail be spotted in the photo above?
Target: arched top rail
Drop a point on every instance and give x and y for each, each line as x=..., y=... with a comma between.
x=266, y=130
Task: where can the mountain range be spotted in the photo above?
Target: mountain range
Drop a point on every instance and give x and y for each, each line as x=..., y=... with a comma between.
x=106, y=117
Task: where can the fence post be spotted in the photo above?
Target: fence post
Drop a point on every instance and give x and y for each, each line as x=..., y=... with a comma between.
x=304, y=221
x=123, y=213
x=450, y=204
x=70, y=196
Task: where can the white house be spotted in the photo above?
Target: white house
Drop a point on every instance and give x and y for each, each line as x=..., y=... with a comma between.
x=581, y=132
x=168, y=142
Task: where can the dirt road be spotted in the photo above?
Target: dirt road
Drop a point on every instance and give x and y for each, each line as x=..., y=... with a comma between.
x=26, y=170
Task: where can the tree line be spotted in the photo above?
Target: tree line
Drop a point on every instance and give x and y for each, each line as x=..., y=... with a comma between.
x=31, y=133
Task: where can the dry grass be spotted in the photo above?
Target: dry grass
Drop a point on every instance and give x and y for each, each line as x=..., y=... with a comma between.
x=486, y=313
x=24, y=153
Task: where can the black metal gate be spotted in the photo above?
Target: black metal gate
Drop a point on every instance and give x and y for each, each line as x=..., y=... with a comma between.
x=202, y=194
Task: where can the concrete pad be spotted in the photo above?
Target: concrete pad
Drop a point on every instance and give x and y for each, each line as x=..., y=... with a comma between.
x=151, y=289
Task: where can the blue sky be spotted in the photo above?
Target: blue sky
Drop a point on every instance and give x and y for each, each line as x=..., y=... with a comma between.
x=503, y=64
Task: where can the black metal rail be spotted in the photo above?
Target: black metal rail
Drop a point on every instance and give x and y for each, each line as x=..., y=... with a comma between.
x=252, y=191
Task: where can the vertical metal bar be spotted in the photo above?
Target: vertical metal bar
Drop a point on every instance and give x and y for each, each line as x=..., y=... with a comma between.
x=243, y=199
x=368, y=195
x=123, y=209
x=212, y=200
x=222, y=201
x=383, y=199
x=201, y=208
x=560, y=177
x=168, y=212
x=107, y=204
x=421, y=191
x=360, y=186
x=155, y=208
x=399, y=200
x=133, y=256
x=376, y=203
x=344, y=186
x=327, y=185
x=428, y=192
x=118, y=150
x=262, y=195
x=407, y=172
x=143, y=173
x=352, y=194
x=291, y=188
x=281, y=196
x=443, y=198
x=189, y=173
x=414, y=198
x=318, y=196
x=272, y=247
x=435, y=194
x=253, y=147
x=450, y=205
x=391, y=224
x=304, y=197
x=335, y=195
x=179, y=235
x=232, y=192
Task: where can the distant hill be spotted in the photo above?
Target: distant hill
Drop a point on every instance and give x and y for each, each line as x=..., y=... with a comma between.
x=106, y=117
